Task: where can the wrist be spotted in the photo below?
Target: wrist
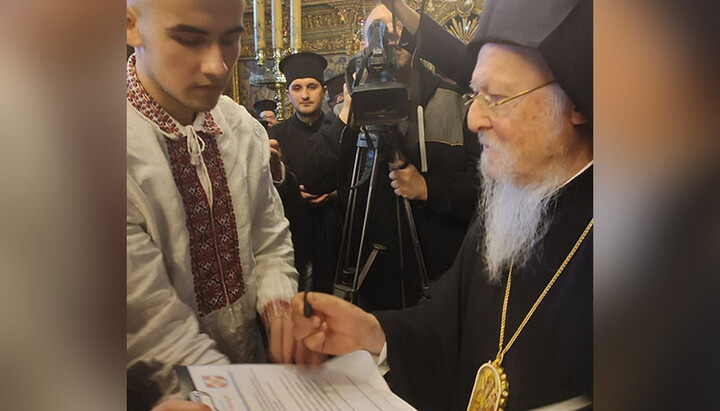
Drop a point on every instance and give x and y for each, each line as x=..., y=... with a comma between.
x=374, y=336
x=344, y=114
x=273, y=310
x=277, y=171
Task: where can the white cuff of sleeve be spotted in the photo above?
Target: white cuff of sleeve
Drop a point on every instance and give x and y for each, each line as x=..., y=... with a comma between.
x=381, y=362
x=282, y=172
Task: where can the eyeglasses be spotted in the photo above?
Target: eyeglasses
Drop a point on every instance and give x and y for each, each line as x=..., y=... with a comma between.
x=493, y=102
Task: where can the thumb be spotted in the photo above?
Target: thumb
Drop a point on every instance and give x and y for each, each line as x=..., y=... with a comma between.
x=315, y=342
x=331, y=306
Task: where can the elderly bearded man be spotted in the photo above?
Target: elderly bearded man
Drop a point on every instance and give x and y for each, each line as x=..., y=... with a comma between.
x=510, y=324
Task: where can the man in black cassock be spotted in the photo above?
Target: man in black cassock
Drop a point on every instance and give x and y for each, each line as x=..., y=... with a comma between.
x=335, y=91
x=532, y=245
x=315, y=220
x=438, y=179
x=265, y=110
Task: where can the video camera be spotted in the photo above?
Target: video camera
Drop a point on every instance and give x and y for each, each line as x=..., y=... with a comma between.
x=377, y=97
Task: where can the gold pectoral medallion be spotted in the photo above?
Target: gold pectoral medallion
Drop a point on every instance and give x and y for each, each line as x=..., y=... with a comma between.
x=490, y=390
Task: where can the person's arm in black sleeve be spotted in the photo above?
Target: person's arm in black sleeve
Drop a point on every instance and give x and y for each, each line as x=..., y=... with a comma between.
x=423, y=342
x=455, y=195
x=442, y=49
x=330, y=156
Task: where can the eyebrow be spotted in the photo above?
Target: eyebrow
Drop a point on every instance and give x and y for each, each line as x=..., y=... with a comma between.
x=184, y=28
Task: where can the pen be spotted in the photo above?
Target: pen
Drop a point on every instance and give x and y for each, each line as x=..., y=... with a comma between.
x=307, y=308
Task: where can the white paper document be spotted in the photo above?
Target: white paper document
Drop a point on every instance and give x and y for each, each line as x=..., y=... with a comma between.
x=350, y=382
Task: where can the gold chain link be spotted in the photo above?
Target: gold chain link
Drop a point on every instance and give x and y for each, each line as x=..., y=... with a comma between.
x=502, y=351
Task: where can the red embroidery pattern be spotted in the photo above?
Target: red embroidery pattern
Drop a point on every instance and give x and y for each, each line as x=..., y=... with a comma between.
x=214, y=251
x=148, y=107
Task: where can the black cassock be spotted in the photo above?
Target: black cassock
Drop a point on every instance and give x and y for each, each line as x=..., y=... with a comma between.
x=441, y=221
x=435, y=349
x=315, y=229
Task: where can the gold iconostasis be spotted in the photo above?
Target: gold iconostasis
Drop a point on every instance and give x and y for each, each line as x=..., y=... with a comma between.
x=330, y=28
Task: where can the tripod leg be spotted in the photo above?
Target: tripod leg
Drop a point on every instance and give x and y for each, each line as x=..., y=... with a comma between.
x=424, y=282
x=368, y=264
x=418, y=251
x=400, y=252
x=348, y=222
x=373, y=179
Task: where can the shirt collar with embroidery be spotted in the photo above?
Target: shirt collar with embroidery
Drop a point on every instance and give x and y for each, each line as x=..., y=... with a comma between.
x=139, y=98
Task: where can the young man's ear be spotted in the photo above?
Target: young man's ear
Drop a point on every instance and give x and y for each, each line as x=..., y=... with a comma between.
x=324, y=92
x=576, y=117
x=134, y=39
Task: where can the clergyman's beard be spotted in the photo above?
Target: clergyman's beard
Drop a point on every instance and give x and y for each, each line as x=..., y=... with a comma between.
x=513, y=220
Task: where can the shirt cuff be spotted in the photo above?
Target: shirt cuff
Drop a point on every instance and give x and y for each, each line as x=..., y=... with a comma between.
x=274, y=309
x=381, y=362
x=282, y=173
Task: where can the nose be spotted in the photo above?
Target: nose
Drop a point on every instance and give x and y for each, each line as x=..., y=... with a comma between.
x=477, y=118
x=213, y=64
x=305, y=94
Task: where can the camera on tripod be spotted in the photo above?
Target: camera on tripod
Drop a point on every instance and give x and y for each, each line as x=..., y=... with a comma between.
x=379, y=102
x=377, y=97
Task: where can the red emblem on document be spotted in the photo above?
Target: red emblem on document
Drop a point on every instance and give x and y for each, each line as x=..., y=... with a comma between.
x=214, y=381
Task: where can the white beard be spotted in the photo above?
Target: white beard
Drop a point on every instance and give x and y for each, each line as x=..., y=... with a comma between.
x=512, y=220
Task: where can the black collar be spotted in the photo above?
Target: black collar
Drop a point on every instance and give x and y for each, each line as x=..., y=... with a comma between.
x=315, y=126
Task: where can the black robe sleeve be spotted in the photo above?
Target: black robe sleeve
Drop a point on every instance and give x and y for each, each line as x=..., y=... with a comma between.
x=295, y=212
x=423, y=341
x=443, y=50
x=330, y=156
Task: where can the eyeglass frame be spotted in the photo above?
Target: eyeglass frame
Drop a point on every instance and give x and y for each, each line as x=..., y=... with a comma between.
x=492, y=104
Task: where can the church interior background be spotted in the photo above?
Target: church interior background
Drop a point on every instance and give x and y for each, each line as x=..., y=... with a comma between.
x=330, y=28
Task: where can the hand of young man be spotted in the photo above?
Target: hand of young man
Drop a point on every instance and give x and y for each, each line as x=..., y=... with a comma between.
x=409, y=183
x=275, y=160
x=336, y=326
x=283, y=348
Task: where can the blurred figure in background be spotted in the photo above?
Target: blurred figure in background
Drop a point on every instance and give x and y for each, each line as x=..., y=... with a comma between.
x=335, y=91
x=265, y=110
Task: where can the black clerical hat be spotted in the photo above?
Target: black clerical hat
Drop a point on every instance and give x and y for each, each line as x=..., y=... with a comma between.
x=335, y=85
x=264, y=105
x=562, y=30
x=303, y=65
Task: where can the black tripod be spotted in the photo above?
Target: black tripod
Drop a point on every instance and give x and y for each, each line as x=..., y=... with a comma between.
x=349, y=278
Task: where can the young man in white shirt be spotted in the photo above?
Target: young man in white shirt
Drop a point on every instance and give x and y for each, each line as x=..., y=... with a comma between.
x=207, y=244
